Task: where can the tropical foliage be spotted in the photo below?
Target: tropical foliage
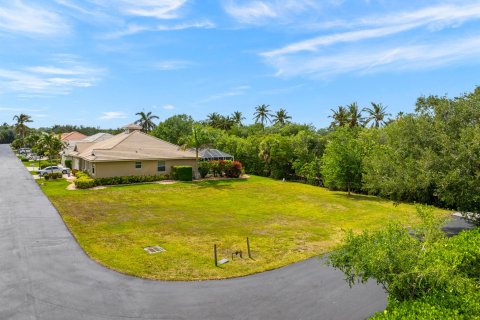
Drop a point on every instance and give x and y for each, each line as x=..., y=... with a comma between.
x=146, y=121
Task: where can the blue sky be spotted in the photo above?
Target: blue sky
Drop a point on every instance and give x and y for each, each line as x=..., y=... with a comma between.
x=98, y=62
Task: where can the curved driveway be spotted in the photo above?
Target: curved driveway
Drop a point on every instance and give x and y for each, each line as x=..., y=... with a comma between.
x=44, y=274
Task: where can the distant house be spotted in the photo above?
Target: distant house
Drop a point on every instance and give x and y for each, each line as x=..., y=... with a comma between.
x=72, y=136
x=214, y=154
x=130, y=153
x=70, y=145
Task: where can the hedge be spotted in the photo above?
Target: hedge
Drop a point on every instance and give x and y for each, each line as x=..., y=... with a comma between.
x=182, y=173
x=228, y=168
x=84, y=181
x=68, y=164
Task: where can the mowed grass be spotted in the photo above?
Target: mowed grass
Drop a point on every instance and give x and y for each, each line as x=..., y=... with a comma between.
x=285, y=222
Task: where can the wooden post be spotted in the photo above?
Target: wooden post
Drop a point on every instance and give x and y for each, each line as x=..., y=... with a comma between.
x=248, y=248
x=215, y=254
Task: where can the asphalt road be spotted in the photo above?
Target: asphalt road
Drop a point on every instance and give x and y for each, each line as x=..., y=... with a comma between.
x=44, y=274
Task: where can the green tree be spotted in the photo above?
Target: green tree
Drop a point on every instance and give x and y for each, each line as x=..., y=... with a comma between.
x=339, y=116
x=237, y=118
x=200, y=137
x=355, y=118
x=20, y=126
x=281, y=117
x=146, y=121
x=51, y=144
x=342, y=160
x=262, y=114
x=376, y=114
x=174, y=129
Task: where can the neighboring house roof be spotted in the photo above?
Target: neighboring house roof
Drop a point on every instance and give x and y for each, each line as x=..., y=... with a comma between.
x=74, y=135
x=134, y=145
x=89, y=140
x=214, y=154
x=97, y=137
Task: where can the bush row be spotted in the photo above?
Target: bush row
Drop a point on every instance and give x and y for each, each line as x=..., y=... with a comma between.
x=84, y=181
x=53, y=176
x=228, y=168
x=182, y=173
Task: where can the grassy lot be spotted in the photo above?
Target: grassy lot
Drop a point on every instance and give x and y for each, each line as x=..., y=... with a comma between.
x=286, y=222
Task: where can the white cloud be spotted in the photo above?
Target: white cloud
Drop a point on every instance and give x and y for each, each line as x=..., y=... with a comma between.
x=133, y=29
x=49, y=80
x=349, y=50
x=168, y=107
x=109, y=115
x=18, y=17
x=172, y=65
x=237, y=91
x=378, y=58
x=261, y=12
x=163, y=9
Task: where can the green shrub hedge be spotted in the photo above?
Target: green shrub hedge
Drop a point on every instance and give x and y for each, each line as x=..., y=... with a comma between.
x=204, y=168
x=68, y=164
x=84, y=181
x=182, y=173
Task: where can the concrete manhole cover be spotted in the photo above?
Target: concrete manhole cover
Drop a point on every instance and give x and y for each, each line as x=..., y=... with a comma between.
x=154, y=249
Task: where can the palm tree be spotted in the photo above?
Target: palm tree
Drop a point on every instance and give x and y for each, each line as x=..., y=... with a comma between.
x=213, y=119
x=376, y=114
x=340, y=117
x=237, y=118
x=281, y=117
x=354, y=115
x=51, y=144
x=262, y=114
x=20, y=127
x=225, y=123
x=146, y=121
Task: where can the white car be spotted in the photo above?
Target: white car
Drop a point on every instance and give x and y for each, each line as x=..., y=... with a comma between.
x=53, y=169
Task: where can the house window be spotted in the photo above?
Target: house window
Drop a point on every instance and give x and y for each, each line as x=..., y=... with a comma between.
x=161, y=166
x=138, y=165
x=93, y=168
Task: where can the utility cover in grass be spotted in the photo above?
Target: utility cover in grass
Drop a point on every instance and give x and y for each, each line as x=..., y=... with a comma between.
x=154, y=249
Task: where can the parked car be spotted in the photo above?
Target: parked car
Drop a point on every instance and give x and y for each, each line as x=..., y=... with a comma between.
x=24, y=151
x=53, y=169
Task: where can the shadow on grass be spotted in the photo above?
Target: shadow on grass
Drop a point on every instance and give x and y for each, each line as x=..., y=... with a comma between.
x=364, y=197
x=218, y=184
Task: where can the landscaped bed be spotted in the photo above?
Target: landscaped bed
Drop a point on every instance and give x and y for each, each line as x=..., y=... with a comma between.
x=285, y=222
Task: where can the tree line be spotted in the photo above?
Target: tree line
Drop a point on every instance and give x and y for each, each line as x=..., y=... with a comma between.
x=431, y=155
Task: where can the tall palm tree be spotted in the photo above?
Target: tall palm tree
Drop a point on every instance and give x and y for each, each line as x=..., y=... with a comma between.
x=20, y=126
x=51, y=144
x=354, y=115
x=281, y=117
x=225, y=123
x=213, y=119
x=262, y=114
x=377, y=114
x=237, y=118
x=146, y=121
x=340, y=117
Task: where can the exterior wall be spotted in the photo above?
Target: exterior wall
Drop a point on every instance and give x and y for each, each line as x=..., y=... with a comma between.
x=127, y=168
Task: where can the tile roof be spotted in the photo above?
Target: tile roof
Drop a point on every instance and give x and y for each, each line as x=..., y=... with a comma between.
x=134, y=145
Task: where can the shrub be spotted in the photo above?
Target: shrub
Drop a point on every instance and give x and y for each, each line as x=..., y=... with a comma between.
x=232, y=169
x=204, y=168
x=74, y=172
x=182, y=173
x=68, y=164
x=215, y=166
x=84, y=183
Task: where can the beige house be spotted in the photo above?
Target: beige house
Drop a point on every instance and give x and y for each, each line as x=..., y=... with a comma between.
x=131, y=153
x=70, y=144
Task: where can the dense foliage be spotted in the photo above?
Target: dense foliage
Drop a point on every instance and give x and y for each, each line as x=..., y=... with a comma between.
x=7, y=133
x=426, y=275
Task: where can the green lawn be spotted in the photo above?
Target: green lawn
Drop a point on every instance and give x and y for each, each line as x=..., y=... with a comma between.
x=286, y=222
